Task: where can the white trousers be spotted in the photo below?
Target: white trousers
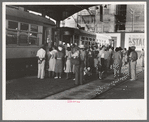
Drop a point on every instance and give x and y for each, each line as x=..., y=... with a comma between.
x=133, y=69
x=41, y=72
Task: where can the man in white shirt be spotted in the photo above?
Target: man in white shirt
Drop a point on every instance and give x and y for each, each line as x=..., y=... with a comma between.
x=108, y=58
x=101, y=60
x=41, y=62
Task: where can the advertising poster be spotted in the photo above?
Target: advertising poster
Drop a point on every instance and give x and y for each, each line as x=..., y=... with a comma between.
x=135, y=39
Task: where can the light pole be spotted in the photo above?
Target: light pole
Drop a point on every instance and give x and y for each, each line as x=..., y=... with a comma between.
x=132, y=13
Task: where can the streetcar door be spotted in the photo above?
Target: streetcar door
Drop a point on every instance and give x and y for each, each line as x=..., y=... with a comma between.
x=114, y=41
x=67, y=39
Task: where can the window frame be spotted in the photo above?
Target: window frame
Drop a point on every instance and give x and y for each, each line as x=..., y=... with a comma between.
x=10, y=31
x=11, y=28
x=19, y=31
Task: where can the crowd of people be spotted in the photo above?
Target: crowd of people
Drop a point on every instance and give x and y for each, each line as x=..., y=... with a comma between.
x=82, y=62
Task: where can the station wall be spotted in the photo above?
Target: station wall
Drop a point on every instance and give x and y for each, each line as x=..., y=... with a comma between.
x=125, y=40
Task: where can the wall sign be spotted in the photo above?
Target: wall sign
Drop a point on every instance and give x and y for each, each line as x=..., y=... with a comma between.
x=135, y=39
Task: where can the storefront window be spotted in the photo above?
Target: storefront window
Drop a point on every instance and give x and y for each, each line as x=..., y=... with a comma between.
x=12, y=25
x=24, y=26
x=11, y=37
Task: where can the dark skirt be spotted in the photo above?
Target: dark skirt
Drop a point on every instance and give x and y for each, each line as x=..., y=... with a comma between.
x=102, y=67
x=59, y=66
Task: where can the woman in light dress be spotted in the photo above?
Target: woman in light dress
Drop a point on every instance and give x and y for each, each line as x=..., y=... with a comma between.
x=101, y=62
x=68, y=69
x=52, y=61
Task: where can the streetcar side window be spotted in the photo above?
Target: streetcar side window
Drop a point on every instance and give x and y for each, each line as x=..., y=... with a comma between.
x=33, y=39
x=34, y=28
x=24, y=27
x=11, y=37
x=22, y=33
x=23, y=38
x=12, y=25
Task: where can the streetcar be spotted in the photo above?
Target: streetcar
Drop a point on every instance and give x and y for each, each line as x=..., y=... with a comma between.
x=79, y=36
x=25, y=34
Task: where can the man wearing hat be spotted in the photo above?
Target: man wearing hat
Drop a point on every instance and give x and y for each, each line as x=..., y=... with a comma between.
x=116, y=62
x=41, y=53
x=120, y=51
x=79, y=67
x=133, y=62
x=82, y=62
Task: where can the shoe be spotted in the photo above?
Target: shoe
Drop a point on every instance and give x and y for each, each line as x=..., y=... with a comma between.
x=59, y=77
x=74, y=79
x=55, y=77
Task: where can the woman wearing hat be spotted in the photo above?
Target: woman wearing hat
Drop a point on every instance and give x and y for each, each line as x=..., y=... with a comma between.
x=52, y=61
x=68, y=62
x=75, y=58
x=59, y=62
x=116, y=63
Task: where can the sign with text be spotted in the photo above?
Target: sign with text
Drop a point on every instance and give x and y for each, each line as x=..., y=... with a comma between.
x=135, y=39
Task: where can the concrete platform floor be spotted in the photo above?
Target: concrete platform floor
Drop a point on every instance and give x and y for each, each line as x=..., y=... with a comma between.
x=34, y=88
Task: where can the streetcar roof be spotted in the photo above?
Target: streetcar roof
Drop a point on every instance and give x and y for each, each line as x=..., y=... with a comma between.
x=16, y=14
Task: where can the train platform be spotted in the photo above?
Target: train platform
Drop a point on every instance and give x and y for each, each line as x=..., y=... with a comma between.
x=126, y=90
x=34, y=88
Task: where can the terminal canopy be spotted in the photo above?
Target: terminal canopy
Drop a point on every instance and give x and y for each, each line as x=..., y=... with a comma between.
x=56, y=12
